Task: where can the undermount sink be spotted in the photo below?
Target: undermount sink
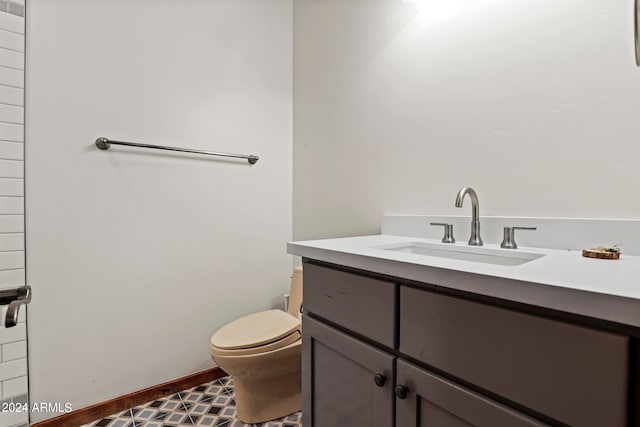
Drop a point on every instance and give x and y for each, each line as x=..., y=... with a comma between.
x=462, y=253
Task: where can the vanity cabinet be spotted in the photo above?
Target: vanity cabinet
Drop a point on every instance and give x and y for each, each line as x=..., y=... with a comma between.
x=380, y=351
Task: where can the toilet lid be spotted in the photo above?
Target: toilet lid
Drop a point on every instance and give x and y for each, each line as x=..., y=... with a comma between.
x=255, y=330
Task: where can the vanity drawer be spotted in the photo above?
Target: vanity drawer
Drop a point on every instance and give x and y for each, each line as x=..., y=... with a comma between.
x=573, y=374
x=361, y=304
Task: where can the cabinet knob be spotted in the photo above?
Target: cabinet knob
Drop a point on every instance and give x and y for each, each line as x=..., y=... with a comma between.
x=401, y=391
x=379, y=379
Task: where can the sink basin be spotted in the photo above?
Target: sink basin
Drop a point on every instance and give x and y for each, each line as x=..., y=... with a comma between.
x=464, y=253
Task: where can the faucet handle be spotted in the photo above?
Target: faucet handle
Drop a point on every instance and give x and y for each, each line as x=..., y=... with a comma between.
x=509, y=241
x=448, y=232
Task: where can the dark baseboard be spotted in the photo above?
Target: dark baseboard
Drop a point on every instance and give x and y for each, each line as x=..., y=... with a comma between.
x=103, y=409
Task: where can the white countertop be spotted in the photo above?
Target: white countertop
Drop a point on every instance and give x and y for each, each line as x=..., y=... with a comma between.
x=560, y=280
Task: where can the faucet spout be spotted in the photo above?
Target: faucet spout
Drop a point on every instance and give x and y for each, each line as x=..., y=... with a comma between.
x=475, y=239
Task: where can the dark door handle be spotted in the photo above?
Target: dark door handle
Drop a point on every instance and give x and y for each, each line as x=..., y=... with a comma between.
x=401, y=391
x=14, y=298
x=379, y=379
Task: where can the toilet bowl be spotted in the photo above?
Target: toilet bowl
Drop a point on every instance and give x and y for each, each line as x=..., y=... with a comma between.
x=261, y=352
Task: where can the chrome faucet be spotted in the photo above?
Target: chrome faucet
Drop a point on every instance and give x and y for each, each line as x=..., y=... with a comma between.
x=475, y=239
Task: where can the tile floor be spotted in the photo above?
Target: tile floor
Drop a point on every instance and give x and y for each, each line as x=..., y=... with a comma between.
x=209, y=404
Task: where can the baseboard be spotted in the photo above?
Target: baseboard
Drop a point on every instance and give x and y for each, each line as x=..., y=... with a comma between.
x=118, y=404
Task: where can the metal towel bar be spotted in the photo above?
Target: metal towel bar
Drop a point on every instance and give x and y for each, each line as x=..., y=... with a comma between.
x=105, y=143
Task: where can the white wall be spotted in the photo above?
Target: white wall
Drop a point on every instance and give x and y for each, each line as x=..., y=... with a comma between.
x=137, y=257
x=397, y=105
x=13, y=344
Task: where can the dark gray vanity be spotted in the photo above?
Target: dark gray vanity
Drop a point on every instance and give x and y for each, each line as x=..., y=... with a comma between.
x=383, y=351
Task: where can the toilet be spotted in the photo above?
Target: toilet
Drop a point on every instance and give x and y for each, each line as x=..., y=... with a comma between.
x=261, y=352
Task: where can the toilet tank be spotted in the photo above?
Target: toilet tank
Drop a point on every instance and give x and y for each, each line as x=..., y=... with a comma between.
x=295, y=294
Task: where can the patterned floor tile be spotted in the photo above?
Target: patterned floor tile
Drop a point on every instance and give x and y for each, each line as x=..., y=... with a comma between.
x=208, y=405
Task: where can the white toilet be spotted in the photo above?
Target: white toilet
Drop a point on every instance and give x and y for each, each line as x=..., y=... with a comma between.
x=261, y=352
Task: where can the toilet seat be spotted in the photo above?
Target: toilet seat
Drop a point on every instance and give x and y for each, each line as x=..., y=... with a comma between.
x=252, y=351
x=256, y=333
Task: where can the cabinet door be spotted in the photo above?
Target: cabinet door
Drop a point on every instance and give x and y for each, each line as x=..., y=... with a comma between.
x=339, y=383
x=432, y=401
